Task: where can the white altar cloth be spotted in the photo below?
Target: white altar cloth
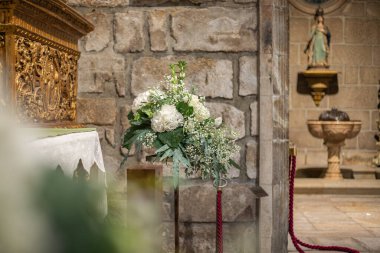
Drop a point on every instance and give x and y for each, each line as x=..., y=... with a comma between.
x=67, y=150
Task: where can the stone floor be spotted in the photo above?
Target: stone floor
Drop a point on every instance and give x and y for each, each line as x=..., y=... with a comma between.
x=343, y=220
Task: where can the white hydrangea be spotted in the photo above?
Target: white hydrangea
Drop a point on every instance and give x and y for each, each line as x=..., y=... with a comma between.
x=166, y=119
x=200, y=111
x=143, y=98
x=218, y=122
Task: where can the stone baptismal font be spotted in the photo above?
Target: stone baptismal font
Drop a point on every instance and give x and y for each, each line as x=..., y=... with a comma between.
x=334, y=127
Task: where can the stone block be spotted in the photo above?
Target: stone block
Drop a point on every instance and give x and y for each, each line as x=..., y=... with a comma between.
x=158, y=30
x=232, y=116
x=351, y=75
x=120, y=80
x=103, y=79
x=110, y=137
x=294, y=54
x=361, y=31
x=303, y=56
x=369, y=75
x=155, y=3
x=234, y=172
x=124, y=111
x=129, y=32
x=97, y=111
x=373, y=9
x=375, y=117
x=99, y=39
x=364, y=116
x=301, y=157
x=96, y=70
x=367, y=140
x=297, y=119
x=211, y=77
x=364, y=97
x=244, y=1
x=299, y=29
x=87, y=83
x=200, y=237
x=294, y=12
x=357, y=157
x=215, y=29
x=247, y=76
x=351, y=55
x=376, y=53
x=254, y=118
x=239, y=203
x=313, y=113
x=351, y=143
x=354, y=9
x=280, y=118
x=303, y=139
x=251, y=159
x=335, y=26
x=98, y=3
x=316, y=157
x=106, y=61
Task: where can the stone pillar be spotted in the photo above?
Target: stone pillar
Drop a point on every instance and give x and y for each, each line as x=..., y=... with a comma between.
x=273, y=125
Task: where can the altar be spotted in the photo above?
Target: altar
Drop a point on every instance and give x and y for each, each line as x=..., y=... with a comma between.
x=71, y=150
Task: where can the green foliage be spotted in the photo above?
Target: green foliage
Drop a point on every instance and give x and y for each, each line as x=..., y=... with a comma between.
x=172, y=138
x=185, y=109
x=71, y=209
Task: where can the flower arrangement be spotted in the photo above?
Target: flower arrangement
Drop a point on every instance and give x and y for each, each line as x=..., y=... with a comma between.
x=178, y=125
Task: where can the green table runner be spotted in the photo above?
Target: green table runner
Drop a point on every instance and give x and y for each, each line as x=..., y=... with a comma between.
x=41, y=133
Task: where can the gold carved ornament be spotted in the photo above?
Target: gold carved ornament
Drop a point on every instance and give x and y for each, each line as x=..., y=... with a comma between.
x=46, y=82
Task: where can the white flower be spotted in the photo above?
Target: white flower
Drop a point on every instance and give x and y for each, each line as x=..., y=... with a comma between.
x=166, y=119
x=143, y=98
x=140, y=100
x=200, y=111
x=218, y=122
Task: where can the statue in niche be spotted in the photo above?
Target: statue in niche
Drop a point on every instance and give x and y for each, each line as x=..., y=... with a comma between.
x=318, y=46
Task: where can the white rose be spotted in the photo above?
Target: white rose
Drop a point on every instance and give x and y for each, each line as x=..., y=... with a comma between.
x=166, y=119
x=200, y=111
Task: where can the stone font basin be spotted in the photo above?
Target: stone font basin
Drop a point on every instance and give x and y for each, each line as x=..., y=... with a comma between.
x=334, y=133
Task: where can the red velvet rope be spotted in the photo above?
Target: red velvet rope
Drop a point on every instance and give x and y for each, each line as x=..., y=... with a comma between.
x=295, y=240
x=219, y=222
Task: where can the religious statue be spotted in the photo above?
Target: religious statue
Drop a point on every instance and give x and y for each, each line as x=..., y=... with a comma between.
x=318, y=46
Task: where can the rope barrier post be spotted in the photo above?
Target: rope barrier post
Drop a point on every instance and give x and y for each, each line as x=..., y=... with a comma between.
x=219, y=215
x=296, y=242
x=176, y=219
x=219, y=221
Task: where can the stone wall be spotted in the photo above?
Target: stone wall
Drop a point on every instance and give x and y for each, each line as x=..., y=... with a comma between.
x=355, y=54
x=232, y=58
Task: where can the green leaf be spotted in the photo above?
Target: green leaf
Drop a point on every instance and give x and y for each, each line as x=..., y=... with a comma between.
x=157, y=144
x=233, y=163
x=172, y=138
x=130, y=115
x=178, y=154
x=167, y=154
x=185, y=109
x=162, y=149
x=132, y=134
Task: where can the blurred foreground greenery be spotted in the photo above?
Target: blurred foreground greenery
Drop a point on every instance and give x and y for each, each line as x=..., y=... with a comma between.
x=71, y=209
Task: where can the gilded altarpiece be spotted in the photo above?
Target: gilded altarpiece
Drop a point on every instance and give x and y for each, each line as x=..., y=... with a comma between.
x=39, y=59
